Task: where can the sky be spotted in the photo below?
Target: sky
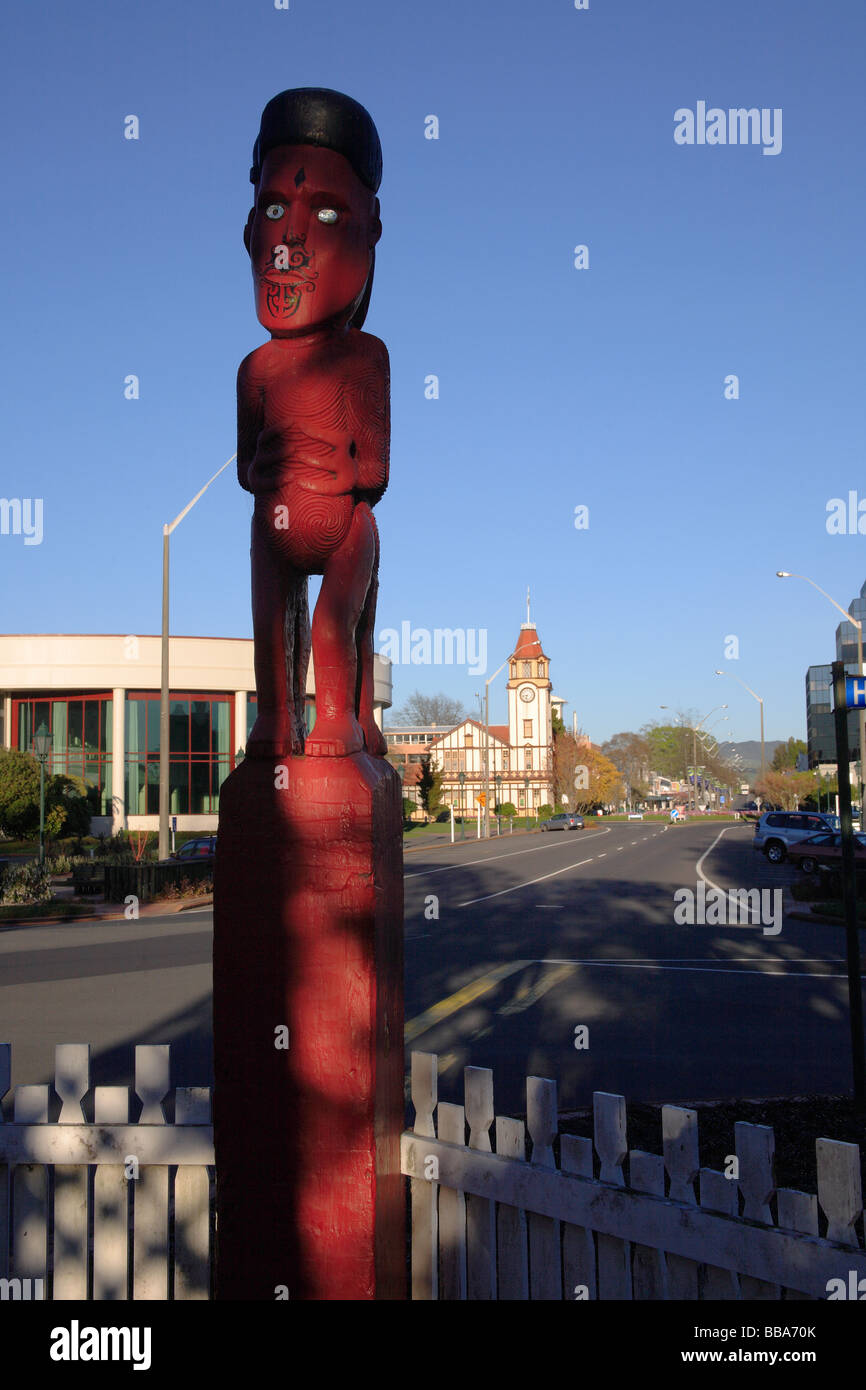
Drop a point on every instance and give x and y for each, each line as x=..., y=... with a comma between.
x=606, y=387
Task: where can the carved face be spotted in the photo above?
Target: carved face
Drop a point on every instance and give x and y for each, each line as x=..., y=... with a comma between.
x=310, y=237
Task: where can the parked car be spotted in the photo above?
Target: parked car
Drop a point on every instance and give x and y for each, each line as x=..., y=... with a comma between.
x=202, y=848
x=824, y=852
x=564, y=820
x=776, y=831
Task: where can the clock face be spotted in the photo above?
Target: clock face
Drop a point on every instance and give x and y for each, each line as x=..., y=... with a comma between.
x=527, y=694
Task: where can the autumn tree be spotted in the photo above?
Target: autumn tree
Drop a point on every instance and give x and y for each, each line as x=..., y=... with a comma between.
x=631, y=755
x=583, y=774
x=786, y=789
x=786, y=754
x=429, y=786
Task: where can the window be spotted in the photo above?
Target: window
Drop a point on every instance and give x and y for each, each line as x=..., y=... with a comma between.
x=81, y=739
x=468, y=740
x=527, y=668
x=505, y=757
x=527, y=728
x=527, y=760
x=201, y=730
x=541, y=668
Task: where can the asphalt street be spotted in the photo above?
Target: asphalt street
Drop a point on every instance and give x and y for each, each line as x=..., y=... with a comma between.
x=551, y=955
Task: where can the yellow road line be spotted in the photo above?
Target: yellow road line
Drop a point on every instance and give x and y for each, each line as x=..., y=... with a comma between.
x=445, y=1007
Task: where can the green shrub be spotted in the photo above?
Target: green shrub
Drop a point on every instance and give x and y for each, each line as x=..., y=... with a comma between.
x=506, y=808
x=545, y=811
x=25, y=883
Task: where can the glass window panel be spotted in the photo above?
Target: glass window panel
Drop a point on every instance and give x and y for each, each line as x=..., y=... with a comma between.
x=178, y=726
x=91, y=726
x=178, y=788
x=136, y=781
x=199, y=790
x=199, y=737
x=152, y=713
x=221, y=736
x=107, y=725
x=59, y=730
x=310, y=713
x=76, y=724
x=135, y=726
x=252, y=713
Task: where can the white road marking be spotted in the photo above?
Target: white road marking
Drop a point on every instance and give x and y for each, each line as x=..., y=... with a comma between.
x=695, y=969
x=491, y=858
x=529, y=881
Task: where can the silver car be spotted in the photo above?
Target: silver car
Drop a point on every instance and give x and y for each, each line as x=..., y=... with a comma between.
x=565, y=820
x=776, y=830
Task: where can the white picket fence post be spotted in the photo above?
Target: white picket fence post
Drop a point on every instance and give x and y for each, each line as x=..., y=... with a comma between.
x=610, y=1229
x=99, y=1194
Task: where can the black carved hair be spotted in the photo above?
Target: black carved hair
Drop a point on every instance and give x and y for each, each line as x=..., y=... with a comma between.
x=318, y=116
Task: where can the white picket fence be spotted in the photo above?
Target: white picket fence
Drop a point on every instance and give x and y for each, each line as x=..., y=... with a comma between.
x=490, y=1225
x=108, y=1209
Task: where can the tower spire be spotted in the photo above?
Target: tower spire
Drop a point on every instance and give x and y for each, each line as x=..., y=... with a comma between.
x=528, y=619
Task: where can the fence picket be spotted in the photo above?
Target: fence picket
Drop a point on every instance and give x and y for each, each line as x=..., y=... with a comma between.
x=797, y=1211
x=71, y=1082
x=718, y=1193
x=646, y=1173
x=480, y=1211
x=545, y=1259
x=511, y=1221
x=680, y=1146
x=755, y=1147
x=192, y=1205
x=110, y=1205
x=578, y=1244
x=424, y=1089
x=614, y=1254
x=452, y=1212
x=5, y=1189
x=30, y=1194
x=839, y=1190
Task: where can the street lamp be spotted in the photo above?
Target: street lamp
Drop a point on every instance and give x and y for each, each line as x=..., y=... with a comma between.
x=498, y=780
x=526, y=797
x=761, y=703
x=487, y=749
x=163, y=695
x=41, y=749
x=857, y=623
x=461, y=778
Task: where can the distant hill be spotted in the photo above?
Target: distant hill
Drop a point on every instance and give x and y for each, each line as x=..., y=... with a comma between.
x=750, y=752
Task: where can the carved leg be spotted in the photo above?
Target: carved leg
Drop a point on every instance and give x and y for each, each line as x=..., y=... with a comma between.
x=301, y=660
x=273, y=734
x=373, y=738
x=345, y=583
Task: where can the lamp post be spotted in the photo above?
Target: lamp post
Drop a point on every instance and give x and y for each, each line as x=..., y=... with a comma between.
x=761, y=703
x=487, y=749
x=461, y=778
x=498, y=780
x=163, y=694
x=856, y=623
x=526, y=797
x=41, y=749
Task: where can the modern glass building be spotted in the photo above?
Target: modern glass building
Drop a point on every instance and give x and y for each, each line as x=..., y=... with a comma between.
x=99, y=697
x=820, y=721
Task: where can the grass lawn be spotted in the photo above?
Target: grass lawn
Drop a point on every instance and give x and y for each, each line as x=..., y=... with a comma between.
x=57, y=912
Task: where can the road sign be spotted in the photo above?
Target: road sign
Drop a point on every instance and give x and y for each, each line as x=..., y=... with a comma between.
x=855, y=692
x=481, y=799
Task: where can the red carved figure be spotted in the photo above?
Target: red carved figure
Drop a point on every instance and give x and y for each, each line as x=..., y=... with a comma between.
x=313, y=424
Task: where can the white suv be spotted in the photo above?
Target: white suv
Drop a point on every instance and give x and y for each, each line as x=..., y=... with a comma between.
x=778, y=829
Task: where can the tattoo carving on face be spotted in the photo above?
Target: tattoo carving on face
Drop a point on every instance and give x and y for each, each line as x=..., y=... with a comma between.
x=291, y=259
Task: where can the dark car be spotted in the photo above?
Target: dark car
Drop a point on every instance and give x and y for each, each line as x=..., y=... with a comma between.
x=824, y=852
x=564, y=820
x=202, y=848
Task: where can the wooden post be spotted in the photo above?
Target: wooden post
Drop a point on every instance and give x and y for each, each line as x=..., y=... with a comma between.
x=308, y=1031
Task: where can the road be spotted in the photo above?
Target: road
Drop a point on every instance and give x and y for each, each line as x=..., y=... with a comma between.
x=516, y=950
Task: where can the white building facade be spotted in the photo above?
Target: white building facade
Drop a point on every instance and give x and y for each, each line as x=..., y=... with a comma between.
x=99, y=698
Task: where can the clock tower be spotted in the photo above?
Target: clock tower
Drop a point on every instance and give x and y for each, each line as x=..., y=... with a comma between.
x=530, y=733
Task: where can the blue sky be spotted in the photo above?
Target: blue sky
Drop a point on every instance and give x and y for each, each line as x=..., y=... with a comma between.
x=558, y=387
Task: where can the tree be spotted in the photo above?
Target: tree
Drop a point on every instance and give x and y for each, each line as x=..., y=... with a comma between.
x=429, y=786
x=786, y=789
x=583, y=774
x=631, y=754
x=670, y=748
x=442, y=710
x=19, y=794
x=786, y=754
x=556, y=721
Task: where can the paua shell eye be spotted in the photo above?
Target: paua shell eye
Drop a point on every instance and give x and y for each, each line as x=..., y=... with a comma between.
x=327, y=215
x=275, y=211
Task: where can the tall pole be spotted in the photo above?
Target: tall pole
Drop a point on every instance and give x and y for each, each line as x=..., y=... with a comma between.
x=163, y=707
x=164, y=682
x=41, y=810
x=849, y=884
x=487, y=749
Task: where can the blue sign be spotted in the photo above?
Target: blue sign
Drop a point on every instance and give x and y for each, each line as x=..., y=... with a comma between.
x=174, y=822
x=855, y=692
